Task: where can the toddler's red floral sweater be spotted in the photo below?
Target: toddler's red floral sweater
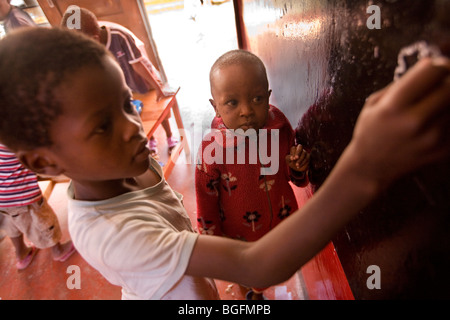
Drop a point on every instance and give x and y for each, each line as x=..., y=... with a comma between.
x=235, y=199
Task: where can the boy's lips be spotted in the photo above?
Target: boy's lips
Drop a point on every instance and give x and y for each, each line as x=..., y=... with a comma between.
x=142, y=152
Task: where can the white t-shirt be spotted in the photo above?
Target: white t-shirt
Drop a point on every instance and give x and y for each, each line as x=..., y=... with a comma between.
x=141, y=241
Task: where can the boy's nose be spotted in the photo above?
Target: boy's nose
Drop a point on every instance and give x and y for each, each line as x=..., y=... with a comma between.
x=132, y=127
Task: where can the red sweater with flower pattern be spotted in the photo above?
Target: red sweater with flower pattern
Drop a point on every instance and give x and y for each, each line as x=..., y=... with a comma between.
x=234, y=198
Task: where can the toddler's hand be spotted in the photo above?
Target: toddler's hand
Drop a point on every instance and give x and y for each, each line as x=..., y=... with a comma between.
x=298, y=159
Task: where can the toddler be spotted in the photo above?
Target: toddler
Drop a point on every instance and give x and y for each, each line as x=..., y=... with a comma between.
x=236, y=199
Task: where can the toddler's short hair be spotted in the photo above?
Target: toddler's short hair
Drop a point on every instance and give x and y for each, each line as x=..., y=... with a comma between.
x=234, y=57
x=33, y=63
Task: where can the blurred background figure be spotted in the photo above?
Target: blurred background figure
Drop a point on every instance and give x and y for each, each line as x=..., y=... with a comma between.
x=14, y=17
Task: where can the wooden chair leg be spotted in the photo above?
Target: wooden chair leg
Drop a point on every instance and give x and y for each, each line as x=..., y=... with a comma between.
x=183, y=138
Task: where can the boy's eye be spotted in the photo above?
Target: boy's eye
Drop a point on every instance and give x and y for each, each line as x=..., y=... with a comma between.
x=104, y=126
x=129, y=106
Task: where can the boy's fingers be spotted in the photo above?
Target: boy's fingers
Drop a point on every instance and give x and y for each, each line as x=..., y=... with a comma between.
x=436, y=139
x=436, y=104
x=425, y=75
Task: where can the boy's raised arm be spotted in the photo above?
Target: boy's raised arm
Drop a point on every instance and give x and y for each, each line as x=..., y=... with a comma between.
x=401, y=128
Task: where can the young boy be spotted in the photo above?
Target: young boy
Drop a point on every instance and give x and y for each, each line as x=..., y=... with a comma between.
x=234, y=198
x=65, y=108
x=140, y=74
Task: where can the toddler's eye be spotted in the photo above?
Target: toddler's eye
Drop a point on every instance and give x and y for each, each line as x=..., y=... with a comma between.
x=257, y=99
x=232, y=103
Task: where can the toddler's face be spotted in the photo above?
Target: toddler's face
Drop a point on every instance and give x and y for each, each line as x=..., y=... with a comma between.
x=99, y=136
x=240, y=96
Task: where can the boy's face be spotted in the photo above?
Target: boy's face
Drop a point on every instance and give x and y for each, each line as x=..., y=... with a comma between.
x=240, y=96
x=99, y=135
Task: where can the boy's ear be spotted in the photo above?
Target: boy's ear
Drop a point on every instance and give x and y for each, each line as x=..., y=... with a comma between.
x=213, y=103
x=270, y=92
x=39, y=162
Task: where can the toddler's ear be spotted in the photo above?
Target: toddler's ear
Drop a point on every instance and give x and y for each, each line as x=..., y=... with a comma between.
x=39, y=162
x=213, y=103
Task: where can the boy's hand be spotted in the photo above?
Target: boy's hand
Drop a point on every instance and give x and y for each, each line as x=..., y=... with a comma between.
x=298, y=159
x=406, y=125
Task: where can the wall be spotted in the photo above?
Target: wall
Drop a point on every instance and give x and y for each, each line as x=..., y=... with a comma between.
x=323, y=61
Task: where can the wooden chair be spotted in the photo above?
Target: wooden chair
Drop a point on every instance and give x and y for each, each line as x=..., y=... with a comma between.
x=153, y=113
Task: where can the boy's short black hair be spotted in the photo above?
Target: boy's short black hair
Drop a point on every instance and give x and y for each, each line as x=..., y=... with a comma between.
x=33, y=63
